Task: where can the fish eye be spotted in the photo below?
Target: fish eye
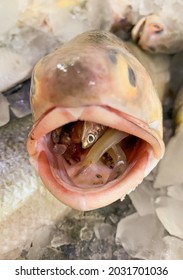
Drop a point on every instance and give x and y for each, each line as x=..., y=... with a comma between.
x=90, y=138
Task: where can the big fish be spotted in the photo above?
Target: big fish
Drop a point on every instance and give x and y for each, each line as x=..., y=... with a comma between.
x=93, y=78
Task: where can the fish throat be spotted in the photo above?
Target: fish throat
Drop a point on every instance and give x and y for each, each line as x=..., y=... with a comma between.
x=89, y=155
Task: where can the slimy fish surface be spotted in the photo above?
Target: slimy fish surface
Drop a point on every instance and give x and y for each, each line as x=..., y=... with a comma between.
x=93, y=86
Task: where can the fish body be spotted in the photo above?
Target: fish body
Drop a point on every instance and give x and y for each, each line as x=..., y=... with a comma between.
x=25, y=204
x=104, y=83
x=155, y=25
x=159, y=34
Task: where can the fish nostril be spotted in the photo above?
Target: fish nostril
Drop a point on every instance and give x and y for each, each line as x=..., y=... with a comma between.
x=131, y=76
x=156, y=28
x=112, y=56
x=151, y=48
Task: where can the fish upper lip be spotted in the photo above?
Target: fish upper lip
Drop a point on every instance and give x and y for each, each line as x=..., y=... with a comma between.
x=129, y=124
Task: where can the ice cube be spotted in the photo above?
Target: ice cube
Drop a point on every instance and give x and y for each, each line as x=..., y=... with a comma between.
x=60, y=239
x=33, y=39
x=176, y=191
x=139, y=235
x=68, y=27
x=9, y=12
x=85, y=233
x=143, y=198
x=170, y=167
x=41, y=238
x=173, y=248
x=169, y=248
x=4, y=110
x=99, y=14
x=20, y=100
x=103, y=231
x=169, y=212
x=13, y=68
x=146, y=7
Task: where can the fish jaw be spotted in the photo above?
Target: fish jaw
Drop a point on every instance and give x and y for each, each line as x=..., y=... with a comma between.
x=92, y=197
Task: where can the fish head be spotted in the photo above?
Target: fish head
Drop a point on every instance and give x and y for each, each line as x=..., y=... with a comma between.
x=157, y=34
x=95, y=79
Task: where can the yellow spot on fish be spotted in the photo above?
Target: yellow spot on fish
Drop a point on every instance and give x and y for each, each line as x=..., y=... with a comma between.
x=127, y=78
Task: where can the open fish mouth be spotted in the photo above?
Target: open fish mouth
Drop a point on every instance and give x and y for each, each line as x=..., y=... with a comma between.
x=86, y=164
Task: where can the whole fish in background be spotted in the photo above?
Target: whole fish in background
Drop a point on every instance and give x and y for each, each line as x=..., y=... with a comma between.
x=155, y=26
x=159, y=34
x=94, y=78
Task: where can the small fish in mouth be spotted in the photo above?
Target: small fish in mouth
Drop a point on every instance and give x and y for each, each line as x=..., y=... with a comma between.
x=91, y=132
x=73, y=141
x=97, y=121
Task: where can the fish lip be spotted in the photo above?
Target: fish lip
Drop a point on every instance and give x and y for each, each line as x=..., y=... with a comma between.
x=87, y=201
x=137, y=30
x=91, y=199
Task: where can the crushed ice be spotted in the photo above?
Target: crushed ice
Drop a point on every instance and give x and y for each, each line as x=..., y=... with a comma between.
x=156, y=229
x=140, y=235
x=169, y=212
